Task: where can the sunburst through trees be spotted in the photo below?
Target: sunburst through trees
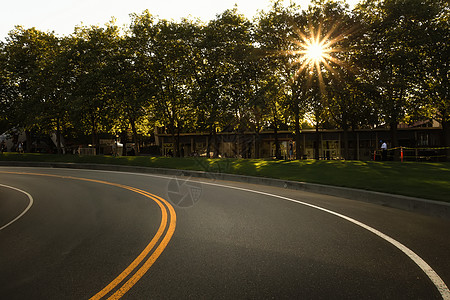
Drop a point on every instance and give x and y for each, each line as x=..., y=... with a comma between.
x=315, y=52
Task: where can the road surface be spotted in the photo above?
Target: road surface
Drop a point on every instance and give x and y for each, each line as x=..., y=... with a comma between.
x=80, y=234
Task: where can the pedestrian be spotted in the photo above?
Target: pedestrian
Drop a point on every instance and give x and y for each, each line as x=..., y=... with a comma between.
x=3, y=147
x=383, y=151
x=20, y=148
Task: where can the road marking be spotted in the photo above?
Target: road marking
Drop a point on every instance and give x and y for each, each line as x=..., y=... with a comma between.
x=141, y=256
x=162, y=203
x=30, y=203
x=424, y=266
x=156, y=253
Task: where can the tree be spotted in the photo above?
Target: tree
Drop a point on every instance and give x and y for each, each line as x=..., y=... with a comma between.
x=253, y=89
x=275, y=35
x=234, y=75
x=431, y=89
x=172, y=60
x=336, y=71
x=24, y=58
x=391, y=41
x=56, y=88
x=134, y=81
x=220, y=50
x=93, y=96
x=6, y=91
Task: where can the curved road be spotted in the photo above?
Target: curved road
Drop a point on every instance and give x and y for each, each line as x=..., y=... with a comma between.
x=80, y=234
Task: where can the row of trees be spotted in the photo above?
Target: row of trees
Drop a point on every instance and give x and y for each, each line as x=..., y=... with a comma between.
x=386, y=63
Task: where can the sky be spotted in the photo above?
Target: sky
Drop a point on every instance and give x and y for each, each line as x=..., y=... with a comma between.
x=61, y=16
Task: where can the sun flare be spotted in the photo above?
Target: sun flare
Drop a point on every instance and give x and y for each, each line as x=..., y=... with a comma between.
x=314, y=52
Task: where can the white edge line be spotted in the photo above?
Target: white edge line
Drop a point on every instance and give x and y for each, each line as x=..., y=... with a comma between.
x=26, y=209
x=426, y=268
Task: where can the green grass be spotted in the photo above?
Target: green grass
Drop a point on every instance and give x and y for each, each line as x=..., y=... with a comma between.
x=424, y=180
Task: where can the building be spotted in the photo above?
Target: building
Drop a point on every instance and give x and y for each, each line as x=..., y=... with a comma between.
x=419, y=142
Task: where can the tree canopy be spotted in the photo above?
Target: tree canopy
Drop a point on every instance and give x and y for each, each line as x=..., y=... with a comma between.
x=383, y=63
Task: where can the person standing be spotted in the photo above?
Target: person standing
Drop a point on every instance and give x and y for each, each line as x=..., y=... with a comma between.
x=383, y=151
x=20, y=148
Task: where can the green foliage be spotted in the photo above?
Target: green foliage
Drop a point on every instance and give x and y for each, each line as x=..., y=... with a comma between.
x=397, y=60
x=389, y=64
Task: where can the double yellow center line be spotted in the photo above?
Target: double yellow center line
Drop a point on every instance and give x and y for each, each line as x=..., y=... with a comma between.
x=151, y=252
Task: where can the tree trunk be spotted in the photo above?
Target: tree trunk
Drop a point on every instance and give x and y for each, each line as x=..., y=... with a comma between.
x=28, y=140
x=345, y=140
x=355, y=138
x=135, y=136
x=394, y=140
x=94, y=136
x=208, y=146
x=124, y=140
x=177, y=143
x=174, y=139
x=446, y=137
x=257, y=137
x=174, y=144
x=257, y=145
x=58, y=136
x=298, y=148
x=215, y=143
x=317, y=146
x=277, y=142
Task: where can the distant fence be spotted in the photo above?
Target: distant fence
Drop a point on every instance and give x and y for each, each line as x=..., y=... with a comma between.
x=414, y=154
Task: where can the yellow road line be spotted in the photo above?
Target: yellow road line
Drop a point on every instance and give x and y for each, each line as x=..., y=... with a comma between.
x=162, y=245
x=153, y=257
x=141, y=256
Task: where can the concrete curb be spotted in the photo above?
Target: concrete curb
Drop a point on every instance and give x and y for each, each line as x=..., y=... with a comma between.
x=423, y=206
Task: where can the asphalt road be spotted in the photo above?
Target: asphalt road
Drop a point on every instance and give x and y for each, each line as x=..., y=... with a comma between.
x=75, y=232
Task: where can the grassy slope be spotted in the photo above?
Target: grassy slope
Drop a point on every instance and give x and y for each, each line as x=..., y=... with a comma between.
x=425, y=180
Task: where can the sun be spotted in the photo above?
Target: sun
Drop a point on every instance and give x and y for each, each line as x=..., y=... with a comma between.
x=315, y=52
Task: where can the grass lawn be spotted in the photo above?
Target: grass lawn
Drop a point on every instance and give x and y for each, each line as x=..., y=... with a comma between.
x=417, y=179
